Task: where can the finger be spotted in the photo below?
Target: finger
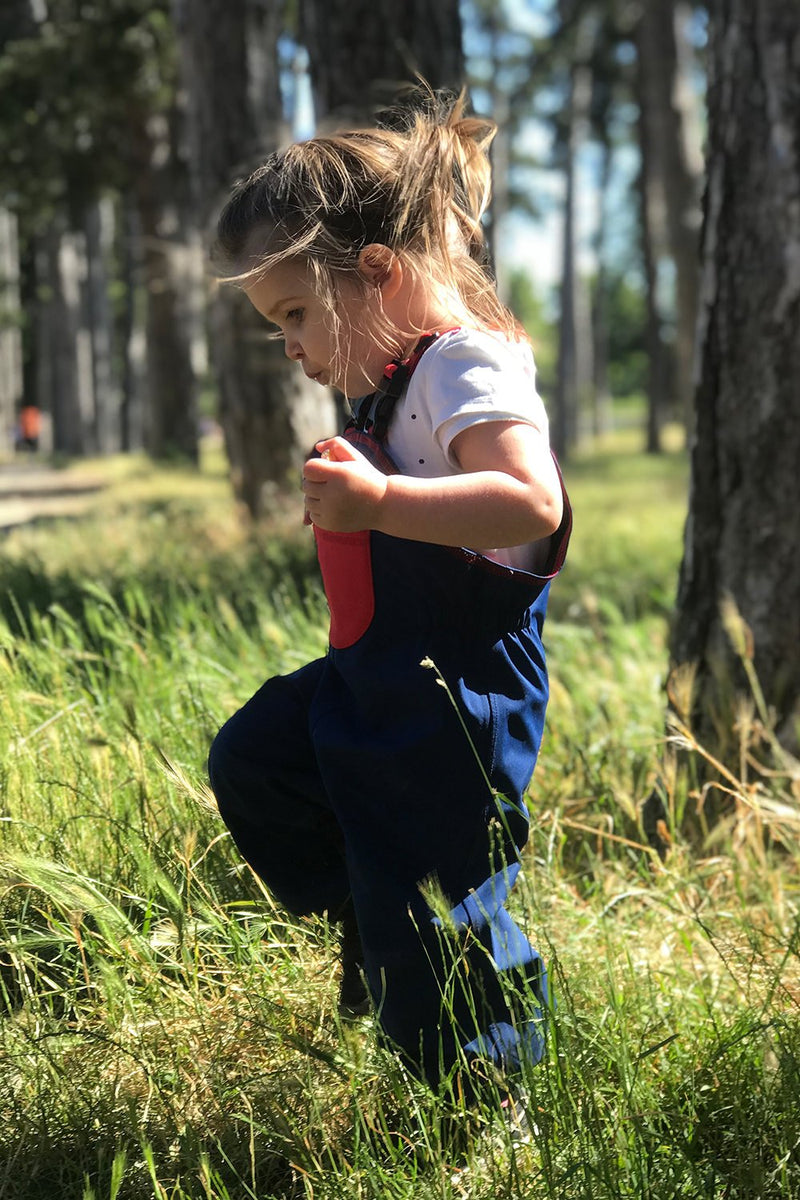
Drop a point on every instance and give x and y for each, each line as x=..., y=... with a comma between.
x=317, y=471
x=311, y=487
x=338, y=449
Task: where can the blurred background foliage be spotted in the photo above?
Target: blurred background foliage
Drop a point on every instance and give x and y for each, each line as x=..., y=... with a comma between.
x=113, y=160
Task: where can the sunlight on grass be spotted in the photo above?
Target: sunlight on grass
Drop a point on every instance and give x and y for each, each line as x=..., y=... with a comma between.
x=167, y=1031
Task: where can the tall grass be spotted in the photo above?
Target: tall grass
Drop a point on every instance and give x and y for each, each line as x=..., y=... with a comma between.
x=166, y=1031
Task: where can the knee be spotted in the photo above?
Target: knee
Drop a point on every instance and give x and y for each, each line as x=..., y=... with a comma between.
x=222, y=765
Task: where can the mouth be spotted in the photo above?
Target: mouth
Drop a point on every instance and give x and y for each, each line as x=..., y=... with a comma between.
x=317, y=377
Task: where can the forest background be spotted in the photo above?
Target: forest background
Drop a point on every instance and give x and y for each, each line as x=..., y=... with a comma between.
x=165, y=1032
x=109, y=196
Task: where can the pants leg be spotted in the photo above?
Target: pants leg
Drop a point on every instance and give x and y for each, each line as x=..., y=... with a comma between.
x=415, y=805
x=264, y=774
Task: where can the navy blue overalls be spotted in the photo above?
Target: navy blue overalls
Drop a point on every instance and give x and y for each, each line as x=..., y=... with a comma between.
x=363, y=774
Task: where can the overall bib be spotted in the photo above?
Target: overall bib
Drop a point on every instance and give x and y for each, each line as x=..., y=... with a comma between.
x=394, y=770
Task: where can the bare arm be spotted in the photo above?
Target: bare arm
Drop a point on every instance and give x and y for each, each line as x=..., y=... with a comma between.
x=508, y=494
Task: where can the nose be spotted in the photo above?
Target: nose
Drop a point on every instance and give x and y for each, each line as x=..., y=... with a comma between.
x=293, y=349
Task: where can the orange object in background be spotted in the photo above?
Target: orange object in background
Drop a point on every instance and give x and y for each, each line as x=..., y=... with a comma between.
x=29, y=427
x=30, y=422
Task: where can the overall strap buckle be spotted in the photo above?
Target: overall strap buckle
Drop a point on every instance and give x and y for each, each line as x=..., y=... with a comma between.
x=375, y=412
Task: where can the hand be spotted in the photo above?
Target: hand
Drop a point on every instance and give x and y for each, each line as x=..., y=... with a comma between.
x=343, y=491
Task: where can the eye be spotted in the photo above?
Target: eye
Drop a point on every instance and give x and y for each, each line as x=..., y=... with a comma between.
x=295, y=314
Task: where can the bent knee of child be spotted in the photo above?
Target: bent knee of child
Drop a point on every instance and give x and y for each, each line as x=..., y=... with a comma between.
x=222, y=764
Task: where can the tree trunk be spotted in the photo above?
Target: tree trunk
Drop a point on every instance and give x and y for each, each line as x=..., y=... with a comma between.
x=129, y=332
x=601, y=394
x=99, y=229
x=500, y=153
x=654, y=73
x=741, y=537
x=574, y=379
x=266, y=406
x=362, y=51
x=565, y=395
x=684, y=188
x=671, y=181
x=10, y=330
x=651, y=224
x=161, y=195
x=63, y=342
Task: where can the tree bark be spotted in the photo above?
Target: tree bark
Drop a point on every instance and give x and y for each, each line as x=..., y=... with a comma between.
x=684, y=188
x=63, y=342
x=160, y=192
x=130, y=334
x=499, y=109
x=10, y=330
x=602, y=415
x=574, y=379
x=652, y=236
x=671, y=175
x=362, y=52
x=229, y=64
x=99, y=231
x=741, y=538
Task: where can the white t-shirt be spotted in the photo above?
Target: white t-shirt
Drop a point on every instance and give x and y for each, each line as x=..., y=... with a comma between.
x=465, y=377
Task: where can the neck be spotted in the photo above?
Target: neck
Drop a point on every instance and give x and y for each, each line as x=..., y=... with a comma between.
x=419, y=308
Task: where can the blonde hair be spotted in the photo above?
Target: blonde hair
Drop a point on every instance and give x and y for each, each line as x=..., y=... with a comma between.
x=420, y=188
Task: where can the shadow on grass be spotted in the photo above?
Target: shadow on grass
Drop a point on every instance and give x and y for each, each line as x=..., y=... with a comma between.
x=31, y=586
x=83, y=1163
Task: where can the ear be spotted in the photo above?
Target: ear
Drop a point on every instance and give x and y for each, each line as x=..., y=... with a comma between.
x=381, y=267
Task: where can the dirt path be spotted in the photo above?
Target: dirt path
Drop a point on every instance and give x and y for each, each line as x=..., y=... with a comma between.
x=30, y=491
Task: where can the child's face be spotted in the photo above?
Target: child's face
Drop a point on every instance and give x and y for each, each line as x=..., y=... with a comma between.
x=351, y=361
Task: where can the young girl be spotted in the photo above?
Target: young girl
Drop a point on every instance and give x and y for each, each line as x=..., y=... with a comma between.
x=359, y=786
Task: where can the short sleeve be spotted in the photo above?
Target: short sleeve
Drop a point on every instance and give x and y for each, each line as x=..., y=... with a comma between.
x=468, y=377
